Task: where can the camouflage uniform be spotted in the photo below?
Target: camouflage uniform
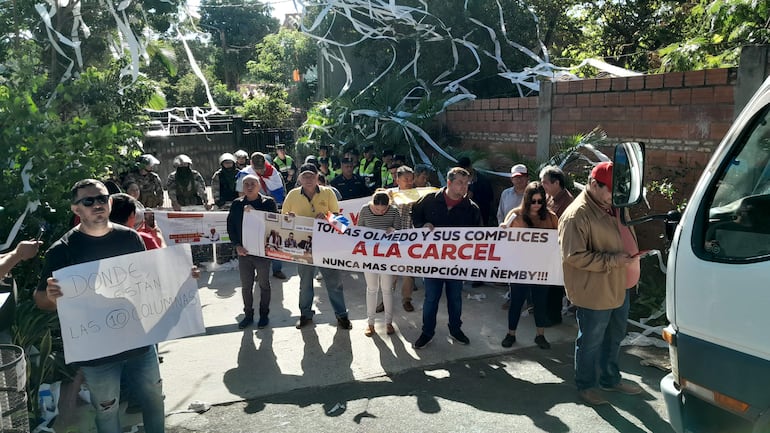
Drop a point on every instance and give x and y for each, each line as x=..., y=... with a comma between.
x=194, y=193
x=150, y=187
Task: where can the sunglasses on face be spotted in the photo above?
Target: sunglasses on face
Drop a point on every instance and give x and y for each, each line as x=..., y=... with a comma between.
x=538, y=201
x=89, y=201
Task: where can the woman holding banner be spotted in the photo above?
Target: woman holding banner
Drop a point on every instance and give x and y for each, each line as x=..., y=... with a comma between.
x=531, y=213
x=379, y=214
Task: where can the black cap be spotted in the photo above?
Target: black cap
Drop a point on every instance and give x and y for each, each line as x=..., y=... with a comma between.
x=308, y=167
x=280, y=146
x=347, y=161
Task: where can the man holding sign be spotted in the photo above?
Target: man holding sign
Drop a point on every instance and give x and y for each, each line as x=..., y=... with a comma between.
x=96, y=238
x=314, y=201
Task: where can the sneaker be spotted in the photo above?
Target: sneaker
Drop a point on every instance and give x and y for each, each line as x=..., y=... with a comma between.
x=422, y=341
x=319, y=277
x=508, y=340
x=390, y=329
x=380, y=308
x=369, y=331
x=592, y=397
x=280, y=275
x=542, y=342
x=623, y=387
x=246, y=322
x=460, y=337
x=263, y=321
x=303, y=321
x=408, y=306
x=344, y=323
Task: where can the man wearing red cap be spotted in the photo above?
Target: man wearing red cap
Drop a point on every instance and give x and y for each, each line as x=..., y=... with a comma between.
x=600, y=261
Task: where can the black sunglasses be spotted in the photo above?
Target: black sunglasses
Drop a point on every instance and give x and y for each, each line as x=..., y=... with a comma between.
x=538, y=201
x=89, y=201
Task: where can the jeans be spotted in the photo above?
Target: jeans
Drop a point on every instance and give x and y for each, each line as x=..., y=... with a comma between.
x=454, y=304
x=142, y=374
x=247, y=266
x=332, y=279
x=277, y=265
x=597, y=347
x=375, y=282
x=519, y=294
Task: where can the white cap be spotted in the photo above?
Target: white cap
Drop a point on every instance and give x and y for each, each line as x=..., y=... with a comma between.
x=519, y=170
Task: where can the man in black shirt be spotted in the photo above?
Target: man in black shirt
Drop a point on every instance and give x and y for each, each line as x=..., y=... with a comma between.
x=349, y=184
x=248, y=263
x=96, y=238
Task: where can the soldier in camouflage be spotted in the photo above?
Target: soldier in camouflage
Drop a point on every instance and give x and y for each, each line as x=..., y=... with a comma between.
x=149, y=183
x=186, y=186
x=223, y=181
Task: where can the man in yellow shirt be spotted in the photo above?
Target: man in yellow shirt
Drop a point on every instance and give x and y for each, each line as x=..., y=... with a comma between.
x=314, y=201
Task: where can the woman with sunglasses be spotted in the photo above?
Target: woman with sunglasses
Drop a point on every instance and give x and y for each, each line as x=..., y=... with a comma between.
x=531, y=213
x=379, y=214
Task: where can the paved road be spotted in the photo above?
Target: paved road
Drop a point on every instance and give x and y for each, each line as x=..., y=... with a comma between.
x=324, y=379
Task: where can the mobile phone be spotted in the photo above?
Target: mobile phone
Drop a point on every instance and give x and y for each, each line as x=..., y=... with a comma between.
x=149, y=219
x=40, y=232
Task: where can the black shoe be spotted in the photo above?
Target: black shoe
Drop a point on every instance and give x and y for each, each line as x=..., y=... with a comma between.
x=542, y=342
x=246, y=322
x=422, y=341
x=509, y=340
x=344, y=323
x=263, y=321
x=303, y=321
x=280, y=275
x=380, y=308
x=460, y=337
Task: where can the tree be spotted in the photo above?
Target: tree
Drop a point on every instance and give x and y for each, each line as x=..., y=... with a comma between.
x=238, y=25
x=715, y=33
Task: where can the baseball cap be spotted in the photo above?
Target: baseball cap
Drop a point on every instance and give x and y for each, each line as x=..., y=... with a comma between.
x=347, y=161
x=602, y=172
x=519, y=170
x=258, y=160
x=308, y=168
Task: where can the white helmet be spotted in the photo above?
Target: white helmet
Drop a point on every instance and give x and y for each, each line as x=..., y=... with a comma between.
x=226, y=157
x=182, y=159
x=241, y=154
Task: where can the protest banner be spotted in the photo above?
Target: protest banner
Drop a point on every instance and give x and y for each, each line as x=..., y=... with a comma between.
x=470, y=253
x=196, y=228
x=121, y=303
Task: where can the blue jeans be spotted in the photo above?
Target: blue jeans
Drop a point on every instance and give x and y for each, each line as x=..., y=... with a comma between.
x=142, y=374
x=454, y=304
x=277, y=265
x=332, y=279
x=597, y=347
x=519, y=294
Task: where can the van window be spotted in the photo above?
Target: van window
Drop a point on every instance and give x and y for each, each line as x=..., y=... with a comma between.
x=738, y=222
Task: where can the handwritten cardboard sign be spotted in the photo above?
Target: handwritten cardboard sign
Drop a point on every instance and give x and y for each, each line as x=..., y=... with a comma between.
x=121, y=303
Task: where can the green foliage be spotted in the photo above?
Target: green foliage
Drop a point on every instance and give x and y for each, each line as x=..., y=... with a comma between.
x=715, y=33
x=267, y=105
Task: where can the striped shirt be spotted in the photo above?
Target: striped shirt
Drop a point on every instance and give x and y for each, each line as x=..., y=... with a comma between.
x=391, y=218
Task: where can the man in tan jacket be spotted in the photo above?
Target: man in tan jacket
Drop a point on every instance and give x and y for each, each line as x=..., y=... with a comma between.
x=601, y=262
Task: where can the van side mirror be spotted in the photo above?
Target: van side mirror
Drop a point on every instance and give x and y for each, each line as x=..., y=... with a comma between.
x=628, y=174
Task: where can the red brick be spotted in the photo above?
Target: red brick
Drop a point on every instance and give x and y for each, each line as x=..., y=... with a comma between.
x=589, y=85
x=675, y=159
x=516, y=115
x=694, y=78
x=570, y=101
x=643, y=97
x=636, y=83
x=611, y=99
x=626, y=99
x=583, y=100
x=718, y=130
x=533, y=102
x=702, y=95
x=597, y=99
x=716, y=76
x=561, y=87
x=698, y=159
x=529, y=115
x=497, y=115
x=603, y=84
x=673, y=79
x=485, y=104
x=619, y=84
x=575, y=86
x=655, y=158
x=669, y=112
x=494, y=104
x=651, y=113
x=680, y=96
x=476, y=105
x=653, y=81
x=574, y=113
x=661, y=97
x=632, y=114
x=724, y=93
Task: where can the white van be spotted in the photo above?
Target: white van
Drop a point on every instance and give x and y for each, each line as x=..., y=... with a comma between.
x=718, y=281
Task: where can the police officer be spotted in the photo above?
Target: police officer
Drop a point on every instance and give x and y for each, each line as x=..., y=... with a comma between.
x=285, y=164
x=149, y=183
x=186, y=186
x=223, y=181
x=370, y=168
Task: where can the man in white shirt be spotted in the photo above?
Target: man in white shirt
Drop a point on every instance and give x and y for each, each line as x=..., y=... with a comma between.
x=511, y=197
